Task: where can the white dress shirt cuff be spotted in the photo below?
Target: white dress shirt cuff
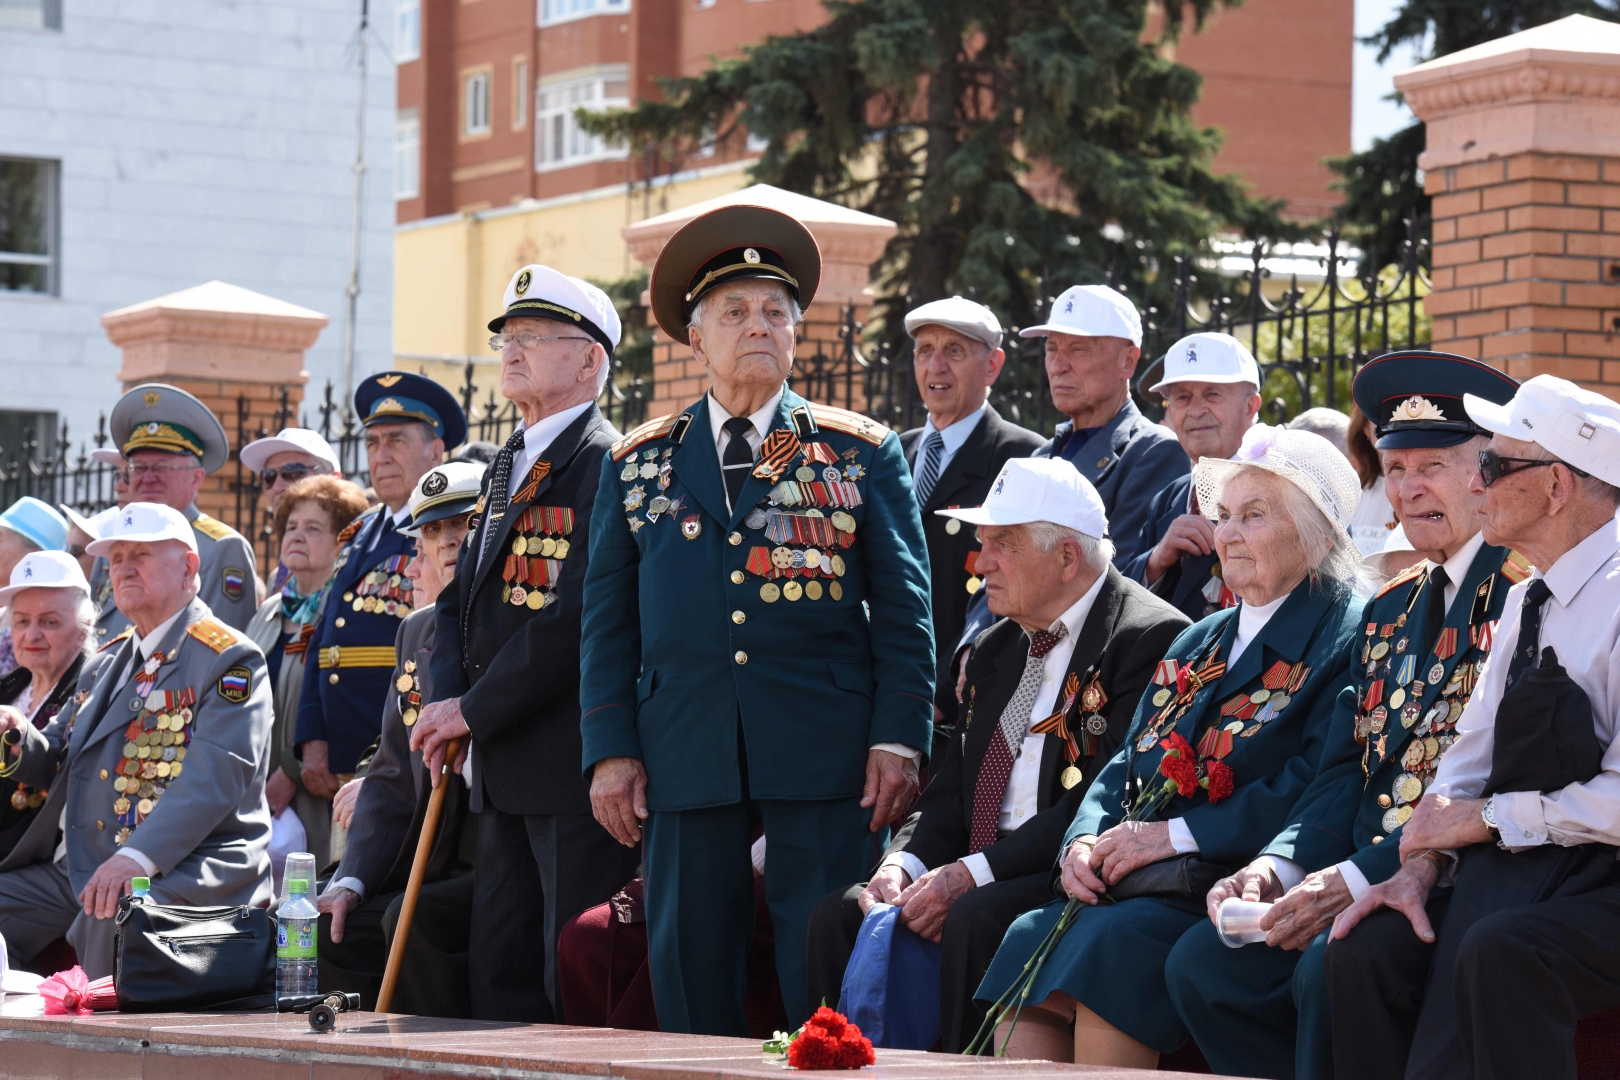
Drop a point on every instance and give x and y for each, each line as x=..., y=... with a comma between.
x=906, y=861
x=1288, y=872
x=1354, y=878
x=979, y=867
x=756, y=855
x=353, y=884
x=1520, y=819
x=147, y=865
x=897, y=748
x=1181, y=837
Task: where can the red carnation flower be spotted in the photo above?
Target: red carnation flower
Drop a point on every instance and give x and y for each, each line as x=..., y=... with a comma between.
x=830, y=1021
x=1221, y=781
x=814, y=1049
x=1177, y=744
x=855, y=1049
x=1182, y=771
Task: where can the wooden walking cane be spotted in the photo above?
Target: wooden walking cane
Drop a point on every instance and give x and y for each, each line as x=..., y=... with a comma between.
x=413, y=887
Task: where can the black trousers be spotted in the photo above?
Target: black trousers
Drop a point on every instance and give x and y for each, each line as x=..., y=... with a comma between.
x=973, y=931
x=433, y=975
x=1524, y=976
x=533, y=874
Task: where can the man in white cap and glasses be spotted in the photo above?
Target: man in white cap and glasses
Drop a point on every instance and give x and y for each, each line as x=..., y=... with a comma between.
x=1054, y=684
x=956, y=356
x=1093, y=340
x=1211, y=389
x=281, y=460
x=1523, y=815
x=157, y=769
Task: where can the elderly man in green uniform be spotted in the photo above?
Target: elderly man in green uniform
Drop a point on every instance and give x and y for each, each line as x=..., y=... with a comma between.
x=171, y=443
x=1426, y=636
x=748, y=556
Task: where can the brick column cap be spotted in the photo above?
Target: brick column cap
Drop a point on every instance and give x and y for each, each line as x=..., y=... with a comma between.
x=1552, y=89
x=212, y=331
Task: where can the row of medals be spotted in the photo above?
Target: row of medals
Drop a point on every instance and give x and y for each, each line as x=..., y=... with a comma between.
x=160, y=753
x=409, y=694
x=786, y=558
x=376, y=604
x=540, y=547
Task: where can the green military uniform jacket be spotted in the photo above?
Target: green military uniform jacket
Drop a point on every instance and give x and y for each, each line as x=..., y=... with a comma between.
x=700, y=621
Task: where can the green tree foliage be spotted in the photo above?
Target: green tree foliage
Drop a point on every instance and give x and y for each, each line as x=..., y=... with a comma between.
x=935, y=113
x=1381, y=184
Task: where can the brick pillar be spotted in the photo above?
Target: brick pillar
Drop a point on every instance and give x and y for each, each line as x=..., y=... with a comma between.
x=1523, y=163
x=850, y=242
x=221, y=343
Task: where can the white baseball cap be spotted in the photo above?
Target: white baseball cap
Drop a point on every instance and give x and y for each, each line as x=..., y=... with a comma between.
x=45, y=570
x=964, y=316
x=289, y=440
x=1208, y=358
x=1574, y=425
x=1039, y=489
x=107, y=455
x=142, y=523
x=1091, y=311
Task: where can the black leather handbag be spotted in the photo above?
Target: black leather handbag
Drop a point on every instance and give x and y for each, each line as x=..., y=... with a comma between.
x=1185, y=876
x=186, y=959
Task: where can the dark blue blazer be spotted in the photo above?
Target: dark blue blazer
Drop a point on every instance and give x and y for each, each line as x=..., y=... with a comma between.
x=1182, y=584
x=681, y=651
x=1272, y=767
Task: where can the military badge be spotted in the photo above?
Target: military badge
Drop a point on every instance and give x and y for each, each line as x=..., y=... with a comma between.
x=434, y=483
x=236, y=684
x=235, y=582
x=691, y=526
x=521, y=285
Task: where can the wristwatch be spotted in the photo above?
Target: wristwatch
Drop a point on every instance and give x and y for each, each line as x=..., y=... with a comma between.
x=1487, y=814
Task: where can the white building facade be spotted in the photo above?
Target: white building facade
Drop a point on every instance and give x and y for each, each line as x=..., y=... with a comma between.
x=147, y=146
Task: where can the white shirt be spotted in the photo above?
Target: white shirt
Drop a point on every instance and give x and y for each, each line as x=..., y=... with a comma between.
x=953, y=436
x=536, y=438
x=1251, y=620
x=1019, y=803
x=1373, y=520
x=1457, y=567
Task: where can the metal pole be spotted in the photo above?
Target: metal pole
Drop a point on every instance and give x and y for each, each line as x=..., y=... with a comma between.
x=353, y=290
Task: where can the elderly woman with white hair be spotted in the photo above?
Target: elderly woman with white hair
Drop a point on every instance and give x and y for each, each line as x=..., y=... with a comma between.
x=1224, y=741
x=49, y=614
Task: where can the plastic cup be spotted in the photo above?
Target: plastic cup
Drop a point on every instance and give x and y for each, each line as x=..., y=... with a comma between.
x=300, y=867
x=1237, y=923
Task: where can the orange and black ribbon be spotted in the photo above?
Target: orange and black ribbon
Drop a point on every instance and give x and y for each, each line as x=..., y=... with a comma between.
x=531, y=483
x=300, y=646
x=779, y=448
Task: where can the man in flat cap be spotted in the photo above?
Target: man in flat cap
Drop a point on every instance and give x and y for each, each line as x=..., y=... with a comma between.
x=409, y=421
x=170, y=444
x=757, y=629
x=506, y=666
x=956, y=357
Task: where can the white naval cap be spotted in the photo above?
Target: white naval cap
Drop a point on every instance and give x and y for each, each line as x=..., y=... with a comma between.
x=539, y=292
x=45, y=570
x=289, y=440
x=444, y=491
x=1572, y=424
x=107, y=455
x=962, y=315
x=1091, y=311
x=142, y=523
x=1208, y=358
x=1039, y=489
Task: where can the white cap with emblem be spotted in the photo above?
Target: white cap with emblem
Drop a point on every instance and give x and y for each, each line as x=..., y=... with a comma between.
x=1572, y=424
x=1039, y=489
x=1091, y=311
x=142, y=523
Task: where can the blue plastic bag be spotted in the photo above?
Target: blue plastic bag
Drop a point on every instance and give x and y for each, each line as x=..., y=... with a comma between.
x=891, y=986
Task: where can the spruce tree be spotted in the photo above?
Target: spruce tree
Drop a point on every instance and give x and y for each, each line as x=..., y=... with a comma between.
x=937, y=113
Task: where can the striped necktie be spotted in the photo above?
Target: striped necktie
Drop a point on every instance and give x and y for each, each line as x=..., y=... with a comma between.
x=933, y=451
x=990, y=790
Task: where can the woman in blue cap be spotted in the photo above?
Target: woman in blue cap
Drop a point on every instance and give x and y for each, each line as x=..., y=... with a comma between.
x=27, y=525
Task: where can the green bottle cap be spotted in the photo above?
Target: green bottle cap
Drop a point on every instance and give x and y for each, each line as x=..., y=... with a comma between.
x=140, y=884
x=297, y=885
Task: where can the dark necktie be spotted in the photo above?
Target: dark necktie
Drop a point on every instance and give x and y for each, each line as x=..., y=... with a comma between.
x=1524, y=650
x=933, y=451
x=500, y=488
x=990, y=790
x=1435, y=616
x=738, y=459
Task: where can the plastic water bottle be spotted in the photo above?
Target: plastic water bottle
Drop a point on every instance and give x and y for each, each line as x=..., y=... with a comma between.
x=140, y=888
x=296, y=928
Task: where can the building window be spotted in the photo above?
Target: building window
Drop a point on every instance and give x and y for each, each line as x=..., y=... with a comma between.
x=520, y=92
x=28, y=217
x=407, y=155
x=475, y=103
x=558, y=139
x=407, y=30
x=556, y=11
x=30, y=14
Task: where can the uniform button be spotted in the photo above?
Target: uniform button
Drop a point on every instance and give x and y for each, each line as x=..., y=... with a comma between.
x=736, y=616
x=735, y=538
x=741, y=657
x=99, y=825
x=341, y=621
x=104, y=774
x=332, y=678
x=736, y=577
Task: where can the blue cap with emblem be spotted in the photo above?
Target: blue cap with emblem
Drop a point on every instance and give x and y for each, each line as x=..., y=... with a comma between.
x=398, y=397
x=1414, y=397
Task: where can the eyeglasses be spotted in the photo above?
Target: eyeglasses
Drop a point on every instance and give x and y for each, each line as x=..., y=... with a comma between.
x=76, y=550
x=290, y=473
x=528, y=339
x=133, y=473
x=1491, y=466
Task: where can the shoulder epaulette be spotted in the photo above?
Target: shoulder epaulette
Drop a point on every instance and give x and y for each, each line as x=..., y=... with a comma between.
x=652, y=429
x=1402, y=578
x=851, y=423
x=1515, y=567
x=348, y=531
x=216, y=636
x=112, y=641
x=212, y=527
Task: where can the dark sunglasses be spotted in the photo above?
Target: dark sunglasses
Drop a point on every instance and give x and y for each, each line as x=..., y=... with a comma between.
x=1492, y=466
x=290, y=473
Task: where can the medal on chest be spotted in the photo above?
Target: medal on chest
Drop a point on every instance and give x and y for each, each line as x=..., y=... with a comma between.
x=154, y=755
x=533, y=566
